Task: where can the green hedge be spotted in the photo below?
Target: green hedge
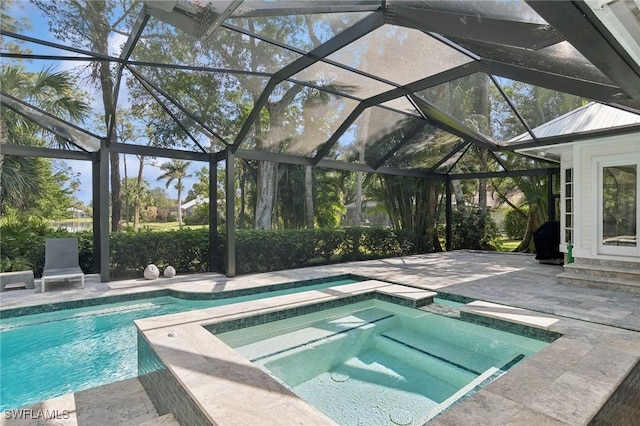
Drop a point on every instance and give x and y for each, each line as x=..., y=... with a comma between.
x=187, y=250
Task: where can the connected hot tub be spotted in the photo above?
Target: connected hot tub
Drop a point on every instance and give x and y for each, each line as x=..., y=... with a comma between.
x=369, y=353
x=379, y=363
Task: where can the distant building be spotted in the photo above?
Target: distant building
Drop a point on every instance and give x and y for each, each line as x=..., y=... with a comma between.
x=77, y=213
x=189, y=206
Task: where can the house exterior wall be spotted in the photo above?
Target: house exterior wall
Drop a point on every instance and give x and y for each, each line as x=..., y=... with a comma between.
x=584, y=158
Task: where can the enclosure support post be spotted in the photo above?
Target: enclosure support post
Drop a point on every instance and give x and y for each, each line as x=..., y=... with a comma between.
x=447, y=184
x=213, y=213
x=551, y=203
x=100, y=195
x=230, y=213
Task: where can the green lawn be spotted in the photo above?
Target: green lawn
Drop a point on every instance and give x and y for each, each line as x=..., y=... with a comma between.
x=168, y=226
x=508, y=245
x=75, y=220
x=152, y=226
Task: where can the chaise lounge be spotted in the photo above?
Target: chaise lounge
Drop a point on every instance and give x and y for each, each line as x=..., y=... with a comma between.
x=61, y=261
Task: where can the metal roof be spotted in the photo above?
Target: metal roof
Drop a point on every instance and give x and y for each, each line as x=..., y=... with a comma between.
x=590, y=117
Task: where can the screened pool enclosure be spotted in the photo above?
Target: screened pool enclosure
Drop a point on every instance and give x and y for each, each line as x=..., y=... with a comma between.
x=393, y=87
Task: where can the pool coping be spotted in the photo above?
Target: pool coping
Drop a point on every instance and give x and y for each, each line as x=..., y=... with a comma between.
x=38, y=308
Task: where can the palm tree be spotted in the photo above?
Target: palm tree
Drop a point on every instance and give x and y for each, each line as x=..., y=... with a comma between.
x=51, y=91
x=176, y=170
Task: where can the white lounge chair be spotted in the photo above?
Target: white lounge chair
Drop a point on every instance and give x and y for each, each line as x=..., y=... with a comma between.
x=61, y=261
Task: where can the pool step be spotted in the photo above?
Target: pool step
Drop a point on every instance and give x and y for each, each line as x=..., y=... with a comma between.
x=455, y=354
x=470, y=388
x=321, y=332
x=119, y=403
x=436, y=366
x=166, y=420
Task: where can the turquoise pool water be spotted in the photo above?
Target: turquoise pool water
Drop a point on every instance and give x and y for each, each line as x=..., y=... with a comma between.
x=47, y=355
x=376, y=363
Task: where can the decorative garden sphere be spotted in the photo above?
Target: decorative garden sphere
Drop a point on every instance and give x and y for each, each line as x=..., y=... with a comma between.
x=151, y=272
x=169, y=272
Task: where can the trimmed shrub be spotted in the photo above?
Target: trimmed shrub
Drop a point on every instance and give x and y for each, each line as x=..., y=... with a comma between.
x=263, y=250
x=187, y=250
x=199, y=216
x=327, y=243
x=515, y=225
x=382, y=242
x=474, y=229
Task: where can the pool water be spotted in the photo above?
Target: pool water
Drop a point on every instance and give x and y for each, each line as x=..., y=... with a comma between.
x=51, y=354
x=376, y=363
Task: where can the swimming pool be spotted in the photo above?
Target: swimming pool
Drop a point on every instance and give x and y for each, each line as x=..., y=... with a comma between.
x=378, y=363
x=51, y=354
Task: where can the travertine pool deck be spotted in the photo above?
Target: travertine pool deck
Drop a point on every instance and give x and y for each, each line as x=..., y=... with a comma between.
x=566, y=383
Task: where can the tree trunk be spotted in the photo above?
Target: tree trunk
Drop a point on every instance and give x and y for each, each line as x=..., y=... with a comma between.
x=101, y=45
x=266, y=174
x=362, y=142
x=4, y=139
x=308, y=195
x=536, y=218
x=179, y=187
x=359, y=182
x=434, y=189
x=243, y=194
x=126, y=191
x=116, y=205
x=136, y=205
x=358, y=218
x=265, y=188
x=484, y=109
x=482, y=194
x=459, y=195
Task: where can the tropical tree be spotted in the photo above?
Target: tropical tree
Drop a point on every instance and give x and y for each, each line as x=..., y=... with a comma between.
x=227, y=99
x=31, y=184
x=328, y=197
x=175, y=170
x=412, y=203
x=89, y=24
x=136, y=196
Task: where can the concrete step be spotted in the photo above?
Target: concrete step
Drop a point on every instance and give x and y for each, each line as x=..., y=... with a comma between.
x=166, y=420
x=608, y=263
x=596, y=281
x=121, y=403
x=617, y=272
